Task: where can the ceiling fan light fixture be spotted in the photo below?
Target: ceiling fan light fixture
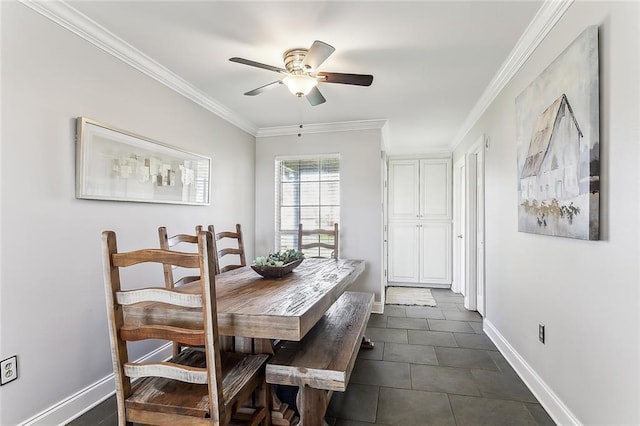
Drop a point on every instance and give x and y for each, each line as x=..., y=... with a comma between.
x=300, y=84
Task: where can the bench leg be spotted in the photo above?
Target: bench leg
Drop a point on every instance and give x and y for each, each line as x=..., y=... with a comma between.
x=312, y=405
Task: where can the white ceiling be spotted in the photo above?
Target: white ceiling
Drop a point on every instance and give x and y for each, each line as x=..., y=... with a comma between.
x=431, y=61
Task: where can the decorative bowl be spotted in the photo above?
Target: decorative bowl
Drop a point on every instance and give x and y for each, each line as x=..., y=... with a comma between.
x=268, y=271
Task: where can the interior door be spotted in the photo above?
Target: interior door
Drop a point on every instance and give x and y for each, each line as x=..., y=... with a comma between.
x=475, y=255
x=459, y=215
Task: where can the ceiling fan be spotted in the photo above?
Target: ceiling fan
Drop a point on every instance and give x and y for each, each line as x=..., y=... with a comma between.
x=301, y=74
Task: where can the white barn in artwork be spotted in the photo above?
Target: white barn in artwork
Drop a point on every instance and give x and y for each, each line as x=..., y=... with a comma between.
x=552, y=167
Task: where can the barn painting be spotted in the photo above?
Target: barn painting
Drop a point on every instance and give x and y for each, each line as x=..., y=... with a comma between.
x=557, y=130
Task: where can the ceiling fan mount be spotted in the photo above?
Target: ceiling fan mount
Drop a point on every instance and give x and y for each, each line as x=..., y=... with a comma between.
x=293, y=60
x=301, y=74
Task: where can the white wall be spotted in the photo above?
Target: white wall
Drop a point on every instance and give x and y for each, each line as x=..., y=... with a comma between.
x=52, y=313
x=360, y=194
x=586, y=293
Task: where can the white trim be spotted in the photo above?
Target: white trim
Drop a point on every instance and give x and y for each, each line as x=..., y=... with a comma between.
x=343, y=126
x=84, y=400
x=554, y=406
x=547, y=16
x=73, y=20
x=479, y=275
x=423, y=151
x=336, y=155
x=419, y=285
x=459, y=200
x=430, y=156
x=377, y=307
x=471, y=224
x=384, y=220
x=386, y=136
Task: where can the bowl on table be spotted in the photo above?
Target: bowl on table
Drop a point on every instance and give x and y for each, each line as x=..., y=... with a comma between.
x=269, y=271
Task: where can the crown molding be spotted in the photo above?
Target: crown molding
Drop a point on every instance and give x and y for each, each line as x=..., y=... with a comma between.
x=547, y=16
x=73, y=20
x=343, y=126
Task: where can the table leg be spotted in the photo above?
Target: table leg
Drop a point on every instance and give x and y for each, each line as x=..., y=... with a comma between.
x=312, y=405
x=281, y=414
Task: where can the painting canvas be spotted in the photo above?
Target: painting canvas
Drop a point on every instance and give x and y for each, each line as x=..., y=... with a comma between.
x=112, y=164
x=558, y=139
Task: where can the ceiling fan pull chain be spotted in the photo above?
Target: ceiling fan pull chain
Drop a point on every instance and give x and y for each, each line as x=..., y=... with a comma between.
x=301, y=118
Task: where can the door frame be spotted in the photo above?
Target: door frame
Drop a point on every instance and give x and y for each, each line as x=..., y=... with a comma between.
x=459, y=233
x=475, y=263
x=384, y=172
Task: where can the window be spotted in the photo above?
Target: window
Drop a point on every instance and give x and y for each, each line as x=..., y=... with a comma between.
x=307, y=192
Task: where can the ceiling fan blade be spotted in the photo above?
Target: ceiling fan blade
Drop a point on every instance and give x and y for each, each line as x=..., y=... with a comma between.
x=258, y=65
x=264, y=88
x=355, y=79
x=315, y=97
x=318, y=53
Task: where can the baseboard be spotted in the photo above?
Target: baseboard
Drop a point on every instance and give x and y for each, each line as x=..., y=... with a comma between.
x=378, y=308
x=79, y=403
x=419, y=285
x=547, y=398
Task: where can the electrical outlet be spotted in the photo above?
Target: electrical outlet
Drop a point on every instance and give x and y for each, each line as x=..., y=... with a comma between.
x=541, y=332
x=8, y=370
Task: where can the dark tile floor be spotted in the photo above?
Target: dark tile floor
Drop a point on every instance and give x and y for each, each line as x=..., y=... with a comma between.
x=429, y=366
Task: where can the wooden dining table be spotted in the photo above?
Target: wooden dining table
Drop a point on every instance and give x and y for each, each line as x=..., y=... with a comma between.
x=249, y=305
x=262, y=310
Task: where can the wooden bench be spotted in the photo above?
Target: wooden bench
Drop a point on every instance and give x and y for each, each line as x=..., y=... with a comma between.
x=323, y=360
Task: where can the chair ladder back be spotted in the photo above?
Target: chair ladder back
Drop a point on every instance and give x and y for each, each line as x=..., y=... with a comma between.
x=167, y=243
x=239, y=250
x=317, y=244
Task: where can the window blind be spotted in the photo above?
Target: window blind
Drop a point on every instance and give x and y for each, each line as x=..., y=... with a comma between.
x=307, y=192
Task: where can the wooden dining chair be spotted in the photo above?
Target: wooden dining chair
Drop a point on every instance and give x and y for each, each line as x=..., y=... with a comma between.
x=317, y=239
x=199, y=386
x=236, y=251
x=317, y=244
x=182, y=240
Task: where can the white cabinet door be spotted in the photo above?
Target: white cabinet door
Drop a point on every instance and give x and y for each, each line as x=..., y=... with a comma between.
x=435, y=189
x=435, y=253
x=404, y=202
x=403, y=252
x=419, y=222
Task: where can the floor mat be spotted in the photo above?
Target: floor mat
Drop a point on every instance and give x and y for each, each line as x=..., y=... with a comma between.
x=409, y=296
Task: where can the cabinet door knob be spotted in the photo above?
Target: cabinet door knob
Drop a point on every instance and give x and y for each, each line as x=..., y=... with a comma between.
x=460, y=236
